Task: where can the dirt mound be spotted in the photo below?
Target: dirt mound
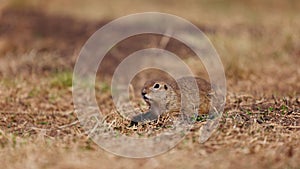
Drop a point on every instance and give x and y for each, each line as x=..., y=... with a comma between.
x=24, y=30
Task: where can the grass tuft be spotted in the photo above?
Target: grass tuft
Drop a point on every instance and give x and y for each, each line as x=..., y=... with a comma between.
x=62, y=79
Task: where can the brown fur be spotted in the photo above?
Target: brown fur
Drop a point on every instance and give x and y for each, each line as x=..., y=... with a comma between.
x=167, y=97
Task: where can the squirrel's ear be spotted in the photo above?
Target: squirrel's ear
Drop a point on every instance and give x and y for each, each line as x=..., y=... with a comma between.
x=166, y=87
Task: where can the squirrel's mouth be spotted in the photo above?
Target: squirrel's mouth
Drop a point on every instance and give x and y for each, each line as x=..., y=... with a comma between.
x=147, y=99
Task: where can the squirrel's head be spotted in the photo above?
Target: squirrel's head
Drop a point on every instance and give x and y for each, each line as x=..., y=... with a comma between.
x=157, y=92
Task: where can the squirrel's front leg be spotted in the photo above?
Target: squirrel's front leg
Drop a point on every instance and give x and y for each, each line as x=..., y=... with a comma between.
x=148, y=116
x=153, y=114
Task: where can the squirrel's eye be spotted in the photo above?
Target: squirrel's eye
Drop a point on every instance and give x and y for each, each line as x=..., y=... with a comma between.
x=156, y=86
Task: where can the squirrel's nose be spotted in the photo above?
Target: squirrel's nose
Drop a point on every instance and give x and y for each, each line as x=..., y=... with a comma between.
x=144, y=92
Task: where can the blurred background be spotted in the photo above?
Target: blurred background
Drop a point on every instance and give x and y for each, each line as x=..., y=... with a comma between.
x=258, y=41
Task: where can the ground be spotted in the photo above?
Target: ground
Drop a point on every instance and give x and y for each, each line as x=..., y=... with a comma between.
x=258, y=43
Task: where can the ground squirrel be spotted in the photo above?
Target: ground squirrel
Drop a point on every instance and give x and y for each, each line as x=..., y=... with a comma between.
x=163, y=97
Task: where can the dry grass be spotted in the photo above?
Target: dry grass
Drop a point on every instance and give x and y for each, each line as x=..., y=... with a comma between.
x=259, y=47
